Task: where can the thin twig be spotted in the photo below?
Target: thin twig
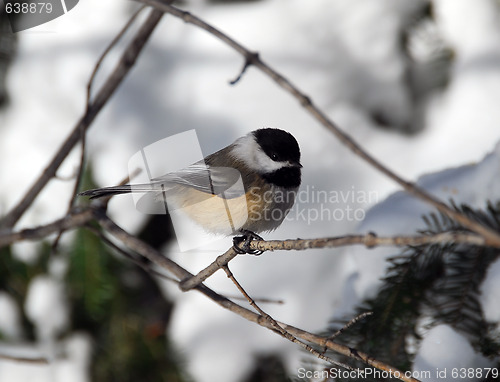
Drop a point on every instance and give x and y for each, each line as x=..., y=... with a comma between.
x=124, y=65
x=79, y=174
x=262, y=300
x=144, y=266
x=139, y=246
x=351, y=323
x=277, y=327
x=110, y=46
x=83, y=131
x=251, y=58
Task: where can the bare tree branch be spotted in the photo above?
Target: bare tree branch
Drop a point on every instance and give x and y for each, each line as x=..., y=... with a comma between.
x=156, y=257
x=369, y=240
x=219, y=262
x=277, y=327
x=76, y=218
x=251, y=58
x=126, y=62
x=82, y=217
x=148, y=268
x=134, y=259
x=108, y=49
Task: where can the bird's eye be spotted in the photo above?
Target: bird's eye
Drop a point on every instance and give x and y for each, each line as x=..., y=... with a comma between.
x=274, y=156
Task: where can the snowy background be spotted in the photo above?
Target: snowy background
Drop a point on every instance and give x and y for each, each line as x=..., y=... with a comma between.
x=347, y=56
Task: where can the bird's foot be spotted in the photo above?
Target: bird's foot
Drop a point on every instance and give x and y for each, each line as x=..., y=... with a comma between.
x=246, y=238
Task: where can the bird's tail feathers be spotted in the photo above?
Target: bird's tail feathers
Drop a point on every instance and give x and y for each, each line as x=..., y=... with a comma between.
x=117, y=190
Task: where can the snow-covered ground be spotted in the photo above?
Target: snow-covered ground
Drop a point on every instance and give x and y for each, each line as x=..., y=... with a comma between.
x=343, y=54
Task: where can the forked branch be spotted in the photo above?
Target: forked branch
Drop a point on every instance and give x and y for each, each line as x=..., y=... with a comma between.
x=180, y=273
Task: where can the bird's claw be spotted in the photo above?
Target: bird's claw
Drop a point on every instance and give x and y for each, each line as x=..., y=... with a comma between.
x=246, y=238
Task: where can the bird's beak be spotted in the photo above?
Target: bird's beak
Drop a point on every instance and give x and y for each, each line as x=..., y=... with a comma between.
x=295, y=164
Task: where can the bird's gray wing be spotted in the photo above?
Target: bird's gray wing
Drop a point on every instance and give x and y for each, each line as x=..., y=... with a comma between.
x=224, y=181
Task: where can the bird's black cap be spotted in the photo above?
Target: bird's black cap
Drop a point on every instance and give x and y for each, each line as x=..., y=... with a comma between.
x=279, y=145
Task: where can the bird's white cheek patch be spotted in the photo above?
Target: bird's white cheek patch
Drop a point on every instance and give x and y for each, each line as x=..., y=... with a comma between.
x=249, y=152
x=266, y=164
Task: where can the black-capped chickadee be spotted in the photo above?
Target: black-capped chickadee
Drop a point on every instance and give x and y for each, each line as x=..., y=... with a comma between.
x=266, y=165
